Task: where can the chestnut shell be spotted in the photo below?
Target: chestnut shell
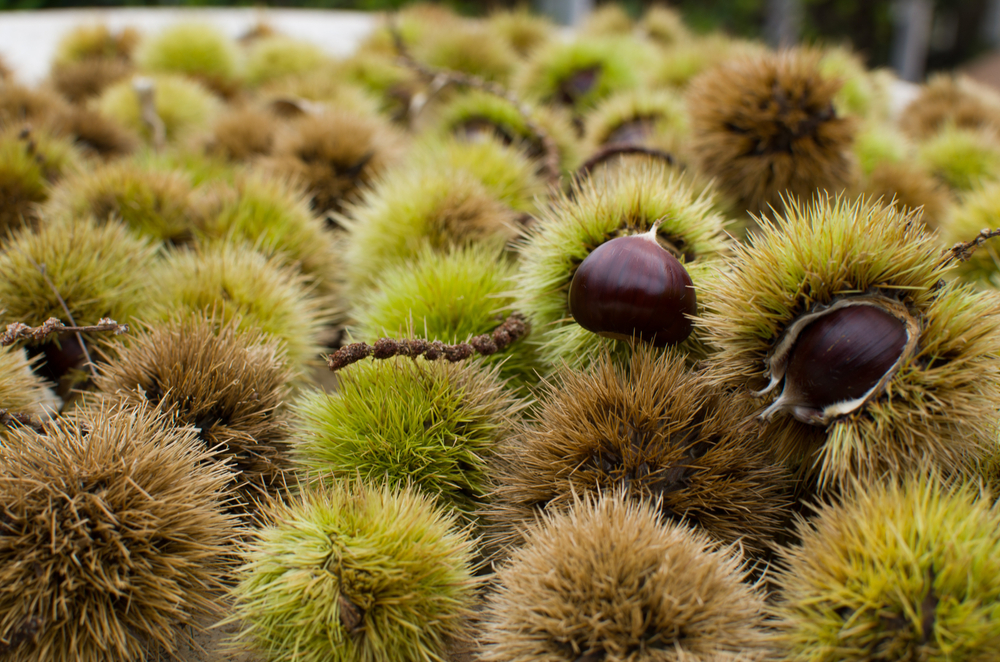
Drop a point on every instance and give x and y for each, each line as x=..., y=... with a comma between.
x=632, y=286
x=843, y=355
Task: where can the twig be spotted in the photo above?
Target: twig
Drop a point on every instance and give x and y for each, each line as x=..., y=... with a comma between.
x=420, y=100
x=18, y=331
x=442, y=77
x=619, y=149
x=10, y=418
x=145, y=92
x=513, y=328
x=69, y=315
x=963, y=250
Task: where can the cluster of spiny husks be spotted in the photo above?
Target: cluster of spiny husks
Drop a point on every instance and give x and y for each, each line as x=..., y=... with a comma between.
x=643, y=346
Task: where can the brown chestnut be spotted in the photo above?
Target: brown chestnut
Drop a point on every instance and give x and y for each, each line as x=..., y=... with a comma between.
x=833, y=361
x=633, y=287
x=477, y=129
x=634, y=132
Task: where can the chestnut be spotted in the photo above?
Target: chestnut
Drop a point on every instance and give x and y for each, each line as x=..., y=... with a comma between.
x=634, y=132
x=476, y=129
x=834, y=361
x=633, y=287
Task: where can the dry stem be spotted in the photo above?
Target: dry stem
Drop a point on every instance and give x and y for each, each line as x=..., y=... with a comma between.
x=69, y=315
x=18, y=331
x=145, y=91
x=963, y=250
x=513, y=328
x=440, y=78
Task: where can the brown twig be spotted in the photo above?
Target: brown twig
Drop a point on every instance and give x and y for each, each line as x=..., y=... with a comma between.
x=145, y=92
x=513, y=328
x=619, y=149
x=9, y=418
x=443, y=77
x=18, y=331
x=963, y=250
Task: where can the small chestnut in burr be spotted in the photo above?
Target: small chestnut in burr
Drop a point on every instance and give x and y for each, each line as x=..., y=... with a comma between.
x=633, y=287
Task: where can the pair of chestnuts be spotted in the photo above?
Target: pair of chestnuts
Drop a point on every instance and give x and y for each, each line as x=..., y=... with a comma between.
x=829, y=362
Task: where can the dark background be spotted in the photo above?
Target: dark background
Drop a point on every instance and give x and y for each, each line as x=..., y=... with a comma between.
x=957, y=35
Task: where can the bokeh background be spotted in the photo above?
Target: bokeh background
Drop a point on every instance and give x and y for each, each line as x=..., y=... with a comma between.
x=957, y=32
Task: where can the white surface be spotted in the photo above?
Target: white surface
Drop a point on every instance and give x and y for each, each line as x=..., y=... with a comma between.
x=900, y=95
x=28, y=39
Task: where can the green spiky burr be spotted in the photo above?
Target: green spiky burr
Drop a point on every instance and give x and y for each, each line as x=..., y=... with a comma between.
x=895, y=571
x=962, y=158
x=355, y=573
x=628, y=201
x=197, y=50
x=449, y=297
x=29, y=165
x=233, y=280
x=427, y=423
x=157, y=203
x=579, y=74
x=929, y=401
x=278, y=56
x=449, y=195
x=184, y=105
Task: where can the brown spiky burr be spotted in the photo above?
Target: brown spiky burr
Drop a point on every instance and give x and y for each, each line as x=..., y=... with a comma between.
x=653, y=428
x=230, y=385
x=335, y=155
x=113, y=541
x=766, y=127
x=609, y=581
x=955, y=101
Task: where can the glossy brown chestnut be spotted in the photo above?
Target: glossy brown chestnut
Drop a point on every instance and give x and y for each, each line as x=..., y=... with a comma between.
x=632, y=286
x=841, y=356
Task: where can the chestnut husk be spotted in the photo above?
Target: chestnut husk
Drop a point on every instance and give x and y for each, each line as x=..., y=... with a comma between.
x=837, y=359
x=577, y=84
x=633, y=287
